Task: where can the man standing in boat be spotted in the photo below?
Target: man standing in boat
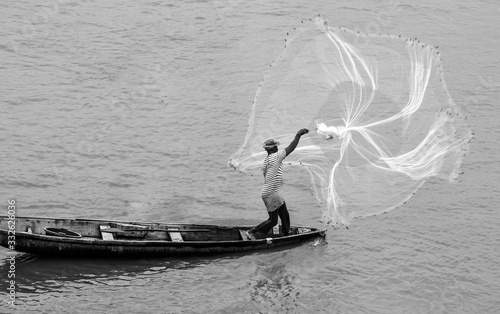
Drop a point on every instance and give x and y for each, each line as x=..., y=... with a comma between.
x=272, y=169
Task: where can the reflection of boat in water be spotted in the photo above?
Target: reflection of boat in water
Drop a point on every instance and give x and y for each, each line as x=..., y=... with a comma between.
x=61, y=274
x=105, y=238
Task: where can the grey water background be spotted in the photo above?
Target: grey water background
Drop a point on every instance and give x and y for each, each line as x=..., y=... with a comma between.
x=131, y=109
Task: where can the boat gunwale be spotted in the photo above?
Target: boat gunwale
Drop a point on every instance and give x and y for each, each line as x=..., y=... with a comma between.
x=112, y=221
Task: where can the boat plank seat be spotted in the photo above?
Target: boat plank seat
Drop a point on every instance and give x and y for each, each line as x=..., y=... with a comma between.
x=175, y=236
x=244, y=235
x=106, y=235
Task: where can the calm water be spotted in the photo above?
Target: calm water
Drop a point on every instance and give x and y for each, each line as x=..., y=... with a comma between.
x=131, y=109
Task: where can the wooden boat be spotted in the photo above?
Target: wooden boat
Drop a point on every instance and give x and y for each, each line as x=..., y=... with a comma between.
x=107, y=238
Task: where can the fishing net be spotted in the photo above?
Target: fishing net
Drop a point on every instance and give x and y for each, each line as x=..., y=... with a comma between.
x=381, y=119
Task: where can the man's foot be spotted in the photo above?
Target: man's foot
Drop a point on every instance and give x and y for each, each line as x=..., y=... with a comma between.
x=251, y=235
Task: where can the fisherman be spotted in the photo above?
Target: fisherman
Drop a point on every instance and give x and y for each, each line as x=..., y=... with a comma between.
x=272, y=169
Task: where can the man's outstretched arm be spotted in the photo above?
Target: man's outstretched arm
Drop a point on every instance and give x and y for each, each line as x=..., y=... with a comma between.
x=295, y=141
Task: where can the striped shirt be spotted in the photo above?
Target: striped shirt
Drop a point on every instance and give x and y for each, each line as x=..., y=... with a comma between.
x=272, y=168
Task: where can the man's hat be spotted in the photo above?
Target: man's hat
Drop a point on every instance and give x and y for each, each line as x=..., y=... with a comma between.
x=270, y=144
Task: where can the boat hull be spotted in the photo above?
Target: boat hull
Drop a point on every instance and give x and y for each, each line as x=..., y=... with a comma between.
x=199, y=239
